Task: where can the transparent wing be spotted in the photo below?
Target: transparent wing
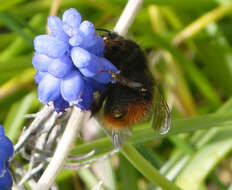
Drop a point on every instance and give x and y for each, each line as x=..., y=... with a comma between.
x=161, y=114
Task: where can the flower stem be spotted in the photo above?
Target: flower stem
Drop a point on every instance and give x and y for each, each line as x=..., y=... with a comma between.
x=127, y=17
x=62, y=150
x=151, y=173
x=54, y=7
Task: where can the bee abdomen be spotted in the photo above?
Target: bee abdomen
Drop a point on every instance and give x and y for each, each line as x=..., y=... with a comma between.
x=135, y=113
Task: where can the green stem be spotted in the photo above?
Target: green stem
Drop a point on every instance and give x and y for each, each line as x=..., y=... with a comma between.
x=144, y=134
x=151, y=173
x=89, y=178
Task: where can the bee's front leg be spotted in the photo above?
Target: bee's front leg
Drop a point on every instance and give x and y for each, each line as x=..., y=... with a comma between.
x=124, y=81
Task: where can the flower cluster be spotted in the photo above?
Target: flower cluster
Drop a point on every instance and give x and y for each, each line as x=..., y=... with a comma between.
x=6, y=151
x=70, y=62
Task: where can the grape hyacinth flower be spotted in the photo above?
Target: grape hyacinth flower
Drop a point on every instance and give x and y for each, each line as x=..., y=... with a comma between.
x=6, y=151
x=70, y=62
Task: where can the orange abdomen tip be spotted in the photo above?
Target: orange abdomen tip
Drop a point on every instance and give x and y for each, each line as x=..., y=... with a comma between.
x=135, y=114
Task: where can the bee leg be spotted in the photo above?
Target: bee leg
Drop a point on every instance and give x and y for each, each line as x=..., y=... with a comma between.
x=119, y=137
x=122, y=80
x=97, y=104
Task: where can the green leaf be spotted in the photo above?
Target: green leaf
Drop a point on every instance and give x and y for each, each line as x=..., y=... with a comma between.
x=202, y=163
x=216, y=57
x=128, y=174
x=145, y=133
x=215, y=144
x=142, y=165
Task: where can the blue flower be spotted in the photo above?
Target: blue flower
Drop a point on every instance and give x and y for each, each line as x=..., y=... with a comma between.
x=61, y=66
x=72, y=87
x=6, y=151
x=88, y=63
x=6, y=181
x=87, y=97
x=70, y=62
x=6, y=145
x=50, y=45
x=49, y=88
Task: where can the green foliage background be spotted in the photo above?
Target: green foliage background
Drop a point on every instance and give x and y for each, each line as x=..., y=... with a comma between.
x=190, y=42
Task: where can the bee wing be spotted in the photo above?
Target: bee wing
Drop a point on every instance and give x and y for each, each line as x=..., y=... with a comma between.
x=161, y=114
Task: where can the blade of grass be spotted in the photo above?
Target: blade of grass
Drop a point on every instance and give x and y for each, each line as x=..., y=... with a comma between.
x=179, y=160
x=16, y=83
x=203, y=137
x=19, y=45
x=216, y=57
x=105, y=172
x=154, y=157
x=146, y=168
x=128, y=174
x=205, y=142
x=15, y=26
x=202, y=163
x=182, y=144
x=201, y=22
x=89, y=178
x=15, y=118
x=146, y=133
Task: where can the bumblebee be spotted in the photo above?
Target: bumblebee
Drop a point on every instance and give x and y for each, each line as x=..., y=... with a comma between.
x=134, y=97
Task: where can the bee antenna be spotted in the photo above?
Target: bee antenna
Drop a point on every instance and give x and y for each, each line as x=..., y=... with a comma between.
x=110, y=34
x=122, y=80
x=102, y=29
